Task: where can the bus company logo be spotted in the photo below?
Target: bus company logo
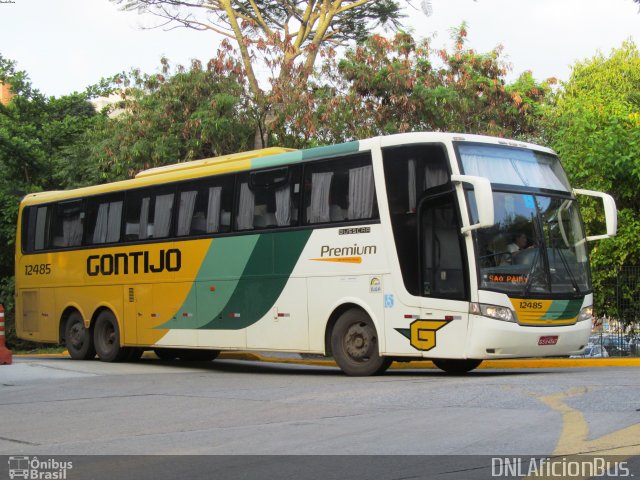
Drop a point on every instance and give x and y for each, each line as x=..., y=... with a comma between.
x=351, y=254
x=375, y=285
x=422, y=333
x=36, y=469
x=134, y=262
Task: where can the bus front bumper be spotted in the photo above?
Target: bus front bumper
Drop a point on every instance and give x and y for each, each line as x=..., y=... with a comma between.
x=489, y=338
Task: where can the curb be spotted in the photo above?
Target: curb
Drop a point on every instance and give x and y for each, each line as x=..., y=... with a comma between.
x=418, y=364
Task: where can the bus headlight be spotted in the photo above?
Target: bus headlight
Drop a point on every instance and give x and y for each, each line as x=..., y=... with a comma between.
x=586, y=314
x=492, y=311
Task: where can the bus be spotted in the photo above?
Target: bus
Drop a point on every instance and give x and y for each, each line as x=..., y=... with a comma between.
x=450, y=247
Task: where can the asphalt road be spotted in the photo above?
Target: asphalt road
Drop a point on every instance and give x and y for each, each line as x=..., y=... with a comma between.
x=56, y=406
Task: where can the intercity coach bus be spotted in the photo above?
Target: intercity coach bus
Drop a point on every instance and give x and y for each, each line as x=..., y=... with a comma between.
x=449, y=247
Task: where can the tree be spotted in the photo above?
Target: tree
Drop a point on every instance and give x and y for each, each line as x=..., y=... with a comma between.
x=594, y=125
x=35, y=135
x=176, y=115
x=394, y=85
x=280, y=32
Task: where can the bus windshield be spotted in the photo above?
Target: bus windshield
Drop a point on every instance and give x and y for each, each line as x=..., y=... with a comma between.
x=514, y=166
x=537, y=245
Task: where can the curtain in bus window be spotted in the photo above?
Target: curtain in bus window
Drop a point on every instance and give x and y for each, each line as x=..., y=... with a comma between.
x=213, y=209
x=499, y=170
x=162, y=215
x=511, y=167
x=360, y=193
x=41, y=225
x=72, y=231
x=411, y=184
x=114, y=222
x=283, y=206
x=102, y=222
x=144, y=219
x=320, y=187
x=185, y=212
x=246, y=208
x=539, y=175
x=108, y=223
x=435, y=174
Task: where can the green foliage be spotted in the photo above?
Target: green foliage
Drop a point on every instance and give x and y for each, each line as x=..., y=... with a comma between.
x=394, y=85
x=594, y=125
x=36, y=134
x=169, y=117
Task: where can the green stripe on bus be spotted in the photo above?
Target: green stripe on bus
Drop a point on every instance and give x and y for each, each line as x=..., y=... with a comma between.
x=225, y=261
x=331, y=151
x=257, y=290
x=563, y=309
x=277, y=160
x=305, y=155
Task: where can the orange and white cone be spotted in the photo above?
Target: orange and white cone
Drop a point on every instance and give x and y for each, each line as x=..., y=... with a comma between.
x=6, y=357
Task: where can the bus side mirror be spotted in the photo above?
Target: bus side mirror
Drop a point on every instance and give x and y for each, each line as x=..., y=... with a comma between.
x=610, y=212
x=484, y=201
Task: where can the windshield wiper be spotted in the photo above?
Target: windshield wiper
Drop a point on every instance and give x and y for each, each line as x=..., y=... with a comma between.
x=534, y=263
x=566, y=267
x=538, y=232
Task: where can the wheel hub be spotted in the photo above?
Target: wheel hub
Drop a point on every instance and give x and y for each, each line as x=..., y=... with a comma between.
x=76, y=336
x=359, y=341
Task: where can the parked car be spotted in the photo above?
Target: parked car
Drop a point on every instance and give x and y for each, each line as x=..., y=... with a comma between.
x=616, y=346
x=593, y=351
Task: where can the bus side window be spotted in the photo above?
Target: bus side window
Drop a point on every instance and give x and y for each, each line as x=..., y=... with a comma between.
x=341, y=189
x=148, y=214
x=268, y=198
x=67, y=224
x=104, y=219
x=205, y=206
x=35, y=232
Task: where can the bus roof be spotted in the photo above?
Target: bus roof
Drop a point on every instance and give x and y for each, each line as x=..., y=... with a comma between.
x=264, y=158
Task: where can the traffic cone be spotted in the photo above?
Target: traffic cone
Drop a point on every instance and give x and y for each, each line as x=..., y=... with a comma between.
x=6, y=356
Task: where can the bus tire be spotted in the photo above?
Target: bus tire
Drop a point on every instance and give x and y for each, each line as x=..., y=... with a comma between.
x=77, y=339
x=455, y=366
x=106, y=338
x=354, y=344
x=193, y=355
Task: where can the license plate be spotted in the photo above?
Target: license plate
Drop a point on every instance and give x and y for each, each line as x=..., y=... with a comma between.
x=548, y=340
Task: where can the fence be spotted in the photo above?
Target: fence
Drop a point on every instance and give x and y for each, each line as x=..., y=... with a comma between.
x=620, y=334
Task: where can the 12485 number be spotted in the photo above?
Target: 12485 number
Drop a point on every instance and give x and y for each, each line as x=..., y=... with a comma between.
x=38, y=269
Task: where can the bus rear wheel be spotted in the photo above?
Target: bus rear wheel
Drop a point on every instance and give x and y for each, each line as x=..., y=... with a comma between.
x=78, y=340
x=455, y=366
x=354, y=344
x=106, y=338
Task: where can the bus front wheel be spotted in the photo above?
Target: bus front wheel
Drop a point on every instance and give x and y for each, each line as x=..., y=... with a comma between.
x=455, y=366
x=78, y=339
x=106, y=338
x=354, y=344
